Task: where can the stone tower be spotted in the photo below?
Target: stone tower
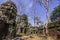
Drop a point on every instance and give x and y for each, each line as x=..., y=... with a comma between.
x=8, y=16
x=22, y=24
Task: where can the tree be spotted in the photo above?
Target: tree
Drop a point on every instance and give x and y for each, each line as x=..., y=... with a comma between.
x=45, y=4
x=55, y=13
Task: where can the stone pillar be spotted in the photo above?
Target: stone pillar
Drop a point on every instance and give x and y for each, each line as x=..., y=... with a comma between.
x=44, y=31
x=23, y=30
x=10, y=31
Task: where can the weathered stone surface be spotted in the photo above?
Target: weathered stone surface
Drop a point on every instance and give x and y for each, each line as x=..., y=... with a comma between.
x=7, y=19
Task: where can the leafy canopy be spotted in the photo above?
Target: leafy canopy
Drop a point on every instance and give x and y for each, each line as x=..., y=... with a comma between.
x=55, y=13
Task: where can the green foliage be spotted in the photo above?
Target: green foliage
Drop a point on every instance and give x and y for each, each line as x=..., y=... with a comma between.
x=55, y=13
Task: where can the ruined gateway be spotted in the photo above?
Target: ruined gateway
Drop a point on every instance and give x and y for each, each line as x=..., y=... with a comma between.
x=9, y=28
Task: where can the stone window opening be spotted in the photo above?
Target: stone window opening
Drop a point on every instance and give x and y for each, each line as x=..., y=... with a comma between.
x=21, y=30
x=25, y=31
x=31, y=32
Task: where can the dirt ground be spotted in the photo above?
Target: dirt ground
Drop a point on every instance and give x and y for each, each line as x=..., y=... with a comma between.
x=33, y=37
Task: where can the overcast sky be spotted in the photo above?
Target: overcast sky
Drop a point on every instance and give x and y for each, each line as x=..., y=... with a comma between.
x=27, y=8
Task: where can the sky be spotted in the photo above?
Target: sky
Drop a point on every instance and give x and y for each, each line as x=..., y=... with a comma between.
x=29, y=6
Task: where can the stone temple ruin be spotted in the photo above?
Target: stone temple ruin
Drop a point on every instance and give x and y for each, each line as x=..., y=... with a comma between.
x=54, y=30
x=9, y=28
x=7, y=19
x=24, y=29
x=22, y=24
